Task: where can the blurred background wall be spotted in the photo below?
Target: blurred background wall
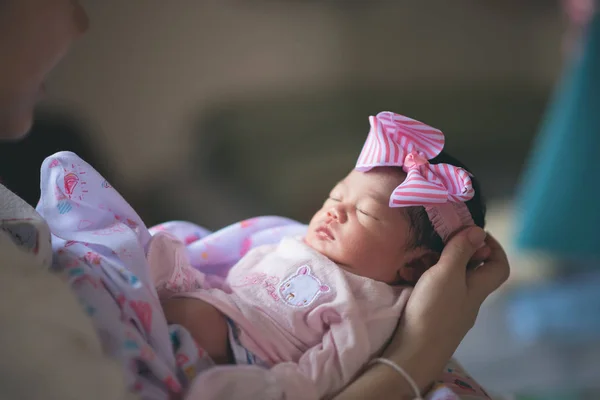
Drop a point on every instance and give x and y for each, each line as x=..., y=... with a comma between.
x=216, y=110
x=159, y=84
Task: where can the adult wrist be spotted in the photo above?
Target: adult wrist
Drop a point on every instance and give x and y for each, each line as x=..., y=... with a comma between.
x=422, y=360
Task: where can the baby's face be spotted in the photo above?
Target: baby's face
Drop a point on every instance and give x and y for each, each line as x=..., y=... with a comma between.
x=358, y=230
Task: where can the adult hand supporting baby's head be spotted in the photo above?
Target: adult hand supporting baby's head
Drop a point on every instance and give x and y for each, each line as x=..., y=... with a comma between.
x=447, y=298
x=445, y=302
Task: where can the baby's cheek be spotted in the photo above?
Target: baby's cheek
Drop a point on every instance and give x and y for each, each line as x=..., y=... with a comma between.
x=315, y=218
x=358, y=249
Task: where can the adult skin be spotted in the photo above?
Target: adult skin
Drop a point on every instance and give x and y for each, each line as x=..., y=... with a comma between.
x=441, y=310
x=34, y=36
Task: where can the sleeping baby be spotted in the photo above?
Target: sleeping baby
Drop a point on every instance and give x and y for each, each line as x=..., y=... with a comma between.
x=315, y=309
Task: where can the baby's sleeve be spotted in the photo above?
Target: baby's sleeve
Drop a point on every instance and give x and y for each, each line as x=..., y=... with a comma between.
x=329, y=366
x=323, y=370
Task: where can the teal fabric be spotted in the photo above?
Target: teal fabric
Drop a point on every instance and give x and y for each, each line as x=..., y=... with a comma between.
x=559, y=200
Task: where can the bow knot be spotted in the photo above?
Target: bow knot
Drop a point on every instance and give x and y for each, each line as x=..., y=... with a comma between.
x=414, y=160
x=396, y=140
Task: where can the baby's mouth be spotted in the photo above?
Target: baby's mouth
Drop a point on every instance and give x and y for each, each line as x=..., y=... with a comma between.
x=324, y=233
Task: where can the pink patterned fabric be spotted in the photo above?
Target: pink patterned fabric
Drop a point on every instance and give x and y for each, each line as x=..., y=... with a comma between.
x=98, y=247
x=396, y=140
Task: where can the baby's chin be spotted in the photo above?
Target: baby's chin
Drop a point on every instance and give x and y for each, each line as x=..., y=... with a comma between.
x=313, y=242
x=325, y=248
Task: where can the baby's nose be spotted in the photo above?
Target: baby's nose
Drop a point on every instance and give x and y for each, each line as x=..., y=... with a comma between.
x=337, y=212
x=332, y=213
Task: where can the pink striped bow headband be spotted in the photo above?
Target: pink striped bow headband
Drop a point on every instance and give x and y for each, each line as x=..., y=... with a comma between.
x=398, y=141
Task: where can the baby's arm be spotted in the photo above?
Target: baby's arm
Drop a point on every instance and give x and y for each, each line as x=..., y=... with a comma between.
x=171, y=271
x=321, y=372
x=205, y=323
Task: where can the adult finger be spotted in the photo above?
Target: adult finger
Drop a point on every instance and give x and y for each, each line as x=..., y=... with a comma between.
x=482, y=254
x=459, y=250
x=491, y=274
x=479, y=257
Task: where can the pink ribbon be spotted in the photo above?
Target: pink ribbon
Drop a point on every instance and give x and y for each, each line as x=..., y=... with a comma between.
x=396, y=140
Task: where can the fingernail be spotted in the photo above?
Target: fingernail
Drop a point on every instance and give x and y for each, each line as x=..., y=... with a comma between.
x=477, y=237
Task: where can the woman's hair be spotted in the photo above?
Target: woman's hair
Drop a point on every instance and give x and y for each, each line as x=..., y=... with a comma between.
x=422, y=231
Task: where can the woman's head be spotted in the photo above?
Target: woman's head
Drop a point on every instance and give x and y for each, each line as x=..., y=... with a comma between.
x=357, y=229
x=34, y=37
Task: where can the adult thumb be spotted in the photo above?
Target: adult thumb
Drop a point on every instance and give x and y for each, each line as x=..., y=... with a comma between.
x=460, y=249
x=488, y=277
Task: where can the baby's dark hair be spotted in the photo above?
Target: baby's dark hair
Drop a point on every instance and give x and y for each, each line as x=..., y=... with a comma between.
x=422, y=230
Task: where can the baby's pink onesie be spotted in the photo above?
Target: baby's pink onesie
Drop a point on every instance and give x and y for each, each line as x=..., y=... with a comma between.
x=314, y=323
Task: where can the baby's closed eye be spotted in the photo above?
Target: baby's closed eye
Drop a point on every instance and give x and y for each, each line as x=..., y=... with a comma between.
x=367, y=213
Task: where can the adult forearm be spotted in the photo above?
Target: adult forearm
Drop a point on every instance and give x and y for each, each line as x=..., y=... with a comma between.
x=377, y=382
x=424, y=363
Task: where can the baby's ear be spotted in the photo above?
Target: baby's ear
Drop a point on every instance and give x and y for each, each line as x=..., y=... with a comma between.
x=412, y=270
x=429, y=259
